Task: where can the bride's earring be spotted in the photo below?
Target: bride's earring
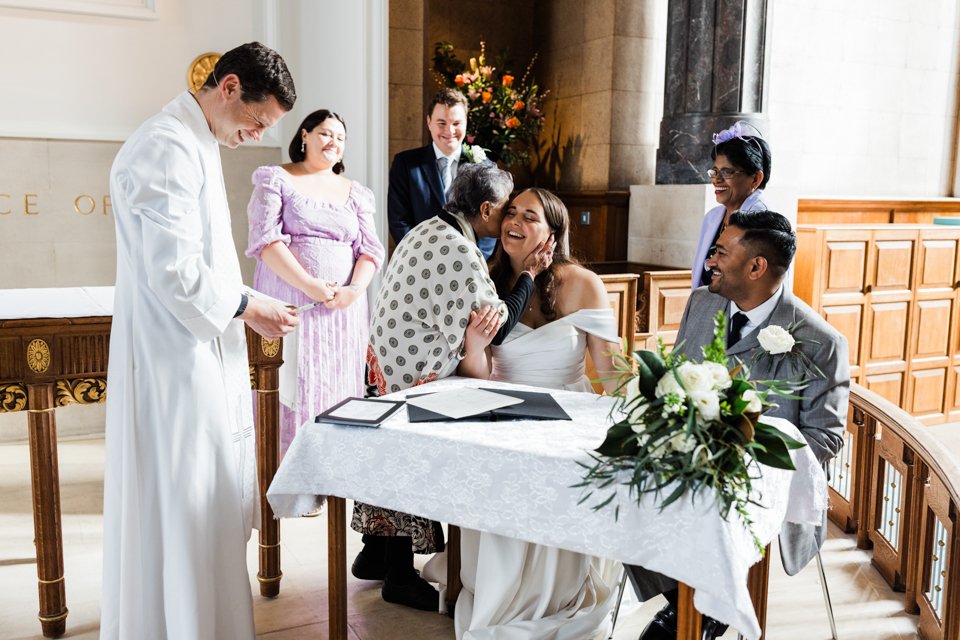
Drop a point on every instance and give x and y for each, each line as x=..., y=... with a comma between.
x=303, y=146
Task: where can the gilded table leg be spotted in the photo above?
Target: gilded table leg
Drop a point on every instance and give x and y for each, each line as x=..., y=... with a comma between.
x=757, y=582
x=337, y=566
x=454, y=585
x=267, y=382
x=45, y=483
x=688, y=618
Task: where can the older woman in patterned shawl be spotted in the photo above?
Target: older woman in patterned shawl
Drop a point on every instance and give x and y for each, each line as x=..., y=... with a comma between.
x=436, y=279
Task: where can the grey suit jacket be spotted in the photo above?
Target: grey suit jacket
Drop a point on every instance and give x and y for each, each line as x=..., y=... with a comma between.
x=821, y=411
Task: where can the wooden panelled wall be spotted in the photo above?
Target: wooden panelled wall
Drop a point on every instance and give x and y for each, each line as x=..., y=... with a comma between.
x=894, y=292
x=874, y=211
x=599, y=224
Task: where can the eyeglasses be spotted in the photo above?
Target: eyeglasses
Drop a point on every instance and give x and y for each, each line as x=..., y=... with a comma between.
x=725, y=174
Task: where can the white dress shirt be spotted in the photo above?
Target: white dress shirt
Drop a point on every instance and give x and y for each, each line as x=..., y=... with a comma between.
x=758, y=315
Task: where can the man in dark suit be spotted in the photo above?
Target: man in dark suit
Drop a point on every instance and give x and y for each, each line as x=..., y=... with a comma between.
x=420, y=178
x=752, y=256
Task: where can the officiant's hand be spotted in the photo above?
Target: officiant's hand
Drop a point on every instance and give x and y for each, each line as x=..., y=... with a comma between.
x=268, y=318
x=343, y=297
x=321, y=290
x=540, y=258
x=483, y=326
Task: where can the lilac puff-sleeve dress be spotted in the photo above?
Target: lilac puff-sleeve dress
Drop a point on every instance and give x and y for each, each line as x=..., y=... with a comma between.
x=327, y=239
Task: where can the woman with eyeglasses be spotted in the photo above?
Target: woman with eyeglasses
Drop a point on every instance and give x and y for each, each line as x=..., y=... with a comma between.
x=741, y=169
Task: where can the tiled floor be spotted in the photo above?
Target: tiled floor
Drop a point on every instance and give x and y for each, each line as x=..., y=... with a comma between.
x=865, y=607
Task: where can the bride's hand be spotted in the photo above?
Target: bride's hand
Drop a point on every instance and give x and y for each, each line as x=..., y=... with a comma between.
x=482, y=328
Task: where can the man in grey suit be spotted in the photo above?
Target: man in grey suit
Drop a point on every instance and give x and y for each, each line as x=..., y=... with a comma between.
x=751, y=257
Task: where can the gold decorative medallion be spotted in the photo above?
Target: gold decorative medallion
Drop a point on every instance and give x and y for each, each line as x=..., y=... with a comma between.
x=82, y=391
x=13, y=397
x=38, y=356
x=200, y=69
x=270, y=348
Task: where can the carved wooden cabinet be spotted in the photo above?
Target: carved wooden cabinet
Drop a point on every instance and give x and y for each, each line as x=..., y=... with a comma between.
x=892, y=290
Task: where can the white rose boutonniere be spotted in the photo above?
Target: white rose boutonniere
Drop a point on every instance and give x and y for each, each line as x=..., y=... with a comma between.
x=474, y=153
x=776, y=340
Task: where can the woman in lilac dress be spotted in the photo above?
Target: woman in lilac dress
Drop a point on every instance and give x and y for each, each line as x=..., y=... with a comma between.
x=313, y=234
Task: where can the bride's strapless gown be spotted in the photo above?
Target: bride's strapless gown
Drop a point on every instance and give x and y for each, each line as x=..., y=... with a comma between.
x=516, y=590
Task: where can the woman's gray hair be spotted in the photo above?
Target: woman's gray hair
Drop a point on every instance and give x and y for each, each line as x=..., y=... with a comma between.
x=475, y=184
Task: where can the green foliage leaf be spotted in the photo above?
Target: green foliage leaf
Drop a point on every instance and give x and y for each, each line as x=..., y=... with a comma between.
x=620, y=441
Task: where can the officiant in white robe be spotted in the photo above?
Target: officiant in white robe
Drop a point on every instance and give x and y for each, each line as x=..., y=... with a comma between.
x=180, y=483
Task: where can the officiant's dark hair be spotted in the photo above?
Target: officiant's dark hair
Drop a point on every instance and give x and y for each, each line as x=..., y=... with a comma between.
x=262, y=73
x=475, y=184
x=296, y=149
x=546, y=283
x=767, y=234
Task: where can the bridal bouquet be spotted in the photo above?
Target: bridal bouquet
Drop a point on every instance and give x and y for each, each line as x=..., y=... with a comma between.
x=505, y=112
x=685, y=427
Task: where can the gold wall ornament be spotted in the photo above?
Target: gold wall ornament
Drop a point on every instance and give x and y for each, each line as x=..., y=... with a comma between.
x=81, y=391
x=270, y=348
x=13, y=397
x=200, y=69
x=38, y=356
x=253, y=378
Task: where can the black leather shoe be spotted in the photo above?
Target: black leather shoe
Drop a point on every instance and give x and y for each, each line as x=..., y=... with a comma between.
x=712, y=629
x=663, y=626
x=364, y=568
x=418, y=594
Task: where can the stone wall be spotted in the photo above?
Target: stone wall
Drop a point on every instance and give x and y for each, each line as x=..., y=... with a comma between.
x=407, y=62
x=603, y=62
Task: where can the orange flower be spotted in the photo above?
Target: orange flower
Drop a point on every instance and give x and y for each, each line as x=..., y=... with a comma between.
x=519, y=105
x=486, y=96
x=512, y=122
x=507, y=80
x=459, y=81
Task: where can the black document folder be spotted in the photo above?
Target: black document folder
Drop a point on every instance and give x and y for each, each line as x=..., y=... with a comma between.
x=536, y=405
x=376, y=411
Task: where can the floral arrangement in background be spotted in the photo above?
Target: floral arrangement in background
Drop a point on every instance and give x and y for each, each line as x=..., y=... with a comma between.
x=686, y=427
x=505, y=113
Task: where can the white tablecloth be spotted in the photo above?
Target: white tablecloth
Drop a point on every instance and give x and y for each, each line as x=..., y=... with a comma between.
x=56, y=302
x=515, y=479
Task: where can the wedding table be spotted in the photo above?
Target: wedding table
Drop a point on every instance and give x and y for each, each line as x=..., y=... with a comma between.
x=54, y=349
x=515, y=478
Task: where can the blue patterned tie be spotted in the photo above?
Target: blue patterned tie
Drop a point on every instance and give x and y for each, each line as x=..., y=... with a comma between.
x=442, y=166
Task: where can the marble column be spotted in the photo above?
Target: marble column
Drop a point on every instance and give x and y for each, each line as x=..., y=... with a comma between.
x=715, y=75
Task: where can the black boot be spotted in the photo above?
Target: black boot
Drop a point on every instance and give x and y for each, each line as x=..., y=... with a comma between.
x=664, y=623
x=403, y=584
x=371, y=562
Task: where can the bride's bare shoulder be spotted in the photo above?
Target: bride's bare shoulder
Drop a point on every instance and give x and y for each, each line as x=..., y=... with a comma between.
x=580, y=288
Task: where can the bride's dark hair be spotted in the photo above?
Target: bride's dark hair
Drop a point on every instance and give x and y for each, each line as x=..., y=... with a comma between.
x=556, y=217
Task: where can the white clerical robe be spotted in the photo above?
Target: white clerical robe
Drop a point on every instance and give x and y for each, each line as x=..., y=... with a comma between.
x=180, y=489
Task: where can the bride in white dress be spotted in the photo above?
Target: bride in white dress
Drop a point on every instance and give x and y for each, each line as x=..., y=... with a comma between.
x=516, y=590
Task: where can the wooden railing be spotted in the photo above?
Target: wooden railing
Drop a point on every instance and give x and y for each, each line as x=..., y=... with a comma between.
x=898, y=488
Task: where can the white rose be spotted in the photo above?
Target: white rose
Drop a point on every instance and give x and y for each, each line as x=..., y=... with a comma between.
x=668, y=384
x=707, y=404
x=682, y=442
x=479, y=155
x=754, y=404
x=775, y=340
x=721, y=377
x=696, y=378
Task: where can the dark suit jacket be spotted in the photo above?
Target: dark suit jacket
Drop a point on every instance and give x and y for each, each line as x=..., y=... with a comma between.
x=821, y=411
x=415, y=194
